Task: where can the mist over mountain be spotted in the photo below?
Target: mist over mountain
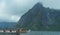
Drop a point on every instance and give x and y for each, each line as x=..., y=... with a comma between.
x=41, y=18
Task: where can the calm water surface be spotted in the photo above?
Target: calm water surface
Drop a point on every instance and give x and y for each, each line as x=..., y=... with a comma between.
x=41, y=33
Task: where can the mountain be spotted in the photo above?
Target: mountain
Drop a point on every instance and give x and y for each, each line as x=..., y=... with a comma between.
x=7, y=25
x=41, y=18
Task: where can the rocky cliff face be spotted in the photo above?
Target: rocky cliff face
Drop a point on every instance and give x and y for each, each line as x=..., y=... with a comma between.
x=40, y=18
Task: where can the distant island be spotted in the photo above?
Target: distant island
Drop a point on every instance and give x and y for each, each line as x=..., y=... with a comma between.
x=39, y=18
x=8, y=25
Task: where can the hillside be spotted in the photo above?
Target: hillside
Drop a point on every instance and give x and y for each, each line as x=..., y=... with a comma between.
x=7, y=25
x=41, y=18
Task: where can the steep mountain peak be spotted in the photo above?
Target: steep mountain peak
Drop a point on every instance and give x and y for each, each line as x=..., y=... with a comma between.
x=40, y=18
x=37, y=6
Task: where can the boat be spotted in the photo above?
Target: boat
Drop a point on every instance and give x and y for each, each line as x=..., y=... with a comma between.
x=24, y=30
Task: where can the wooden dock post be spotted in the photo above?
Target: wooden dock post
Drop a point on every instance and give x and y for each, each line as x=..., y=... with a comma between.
x=18, y=31
x=10, y=30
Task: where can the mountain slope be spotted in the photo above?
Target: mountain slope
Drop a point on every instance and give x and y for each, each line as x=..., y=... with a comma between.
x=40, y=18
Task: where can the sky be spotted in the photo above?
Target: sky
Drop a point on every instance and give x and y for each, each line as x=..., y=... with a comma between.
x=12, y=10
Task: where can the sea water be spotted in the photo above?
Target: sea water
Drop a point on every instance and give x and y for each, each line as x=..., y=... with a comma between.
x=41, y=33
x=35, y=33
